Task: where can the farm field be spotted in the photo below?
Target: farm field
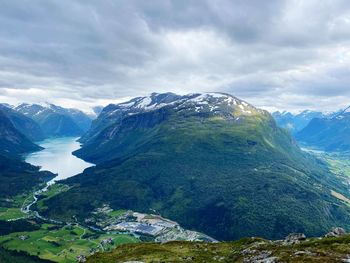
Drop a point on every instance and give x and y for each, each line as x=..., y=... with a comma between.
x=62, y=244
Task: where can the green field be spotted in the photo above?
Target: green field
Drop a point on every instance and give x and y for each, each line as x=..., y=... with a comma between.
x=11, y=213
x=116, y=213
x=53, y=242
x=61, y=244
x=11, y=208
x=338, y=163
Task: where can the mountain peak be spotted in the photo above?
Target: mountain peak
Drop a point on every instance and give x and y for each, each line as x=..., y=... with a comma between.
x=198, y=102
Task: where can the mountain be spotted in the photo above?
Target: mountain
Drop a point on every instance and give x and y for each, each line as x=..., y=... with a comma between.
x=23, y=124
x=330, y=134
x=97, y=110
x=80, y=118
x=17, y=176
x=55, y=120
x=249, y=250
x=12, y=141
x=211, y=162
x=296, y=122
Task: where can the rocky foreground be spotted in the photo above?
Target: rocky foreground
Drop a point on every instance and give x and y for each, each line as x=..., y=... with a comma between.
x=333, y=247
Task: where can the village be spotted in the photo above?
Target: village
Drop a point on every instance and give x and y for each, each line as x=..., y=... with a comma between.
x=150, y=226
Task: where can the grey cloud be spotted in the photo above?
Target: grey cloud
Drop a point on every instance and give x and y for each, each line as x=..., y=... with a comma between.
x=272, y=53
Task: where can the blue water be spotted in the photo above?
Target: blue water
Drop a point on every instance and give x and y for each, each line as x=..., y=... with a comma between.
x=57, y=157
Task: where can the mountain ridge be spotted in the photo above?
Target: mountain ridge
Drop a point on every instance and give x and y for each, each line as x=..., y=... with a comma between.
x=12, y=141
x=329, y=133
x=24, y=124
x=55, y=120
x=213, y=163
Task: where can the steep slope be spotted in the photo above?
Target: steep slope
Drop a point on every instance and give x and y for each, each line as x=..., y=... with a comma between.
x=79, y=117
x=296, y=122
x=330, y=134
x=23, y=124
x=54, y=120
x=17, y=176
x=13, y=142
x=211, y=162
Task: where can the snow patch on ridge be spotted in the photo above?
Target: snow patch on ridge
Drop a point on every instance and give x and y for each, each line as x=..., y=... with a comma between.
x=197, y=101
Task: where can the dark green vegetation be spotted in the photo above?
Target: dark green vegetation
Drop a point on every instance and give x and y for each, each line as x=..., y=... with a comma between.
x=55, y=120
x=12, y=141
x=212, y=163
x=17, y=176
x=330, y=250
x=329, y=134
x=21, y=225
x=295, y=122
x=7, y=256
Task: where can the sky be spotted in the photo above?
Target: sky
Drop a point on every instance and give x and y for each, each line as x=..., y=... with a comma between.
x=285, y=55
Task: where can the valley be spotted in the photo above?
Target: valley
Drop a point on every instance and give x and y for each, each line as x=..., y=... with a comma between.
x=169, y=131
x=72, y=241
x=150, y=153
x=203, y=168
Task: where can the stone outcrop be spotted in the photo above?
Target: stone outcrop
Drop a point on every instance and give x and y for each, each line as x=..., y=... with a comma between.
x=336, y=232
x=294, y=238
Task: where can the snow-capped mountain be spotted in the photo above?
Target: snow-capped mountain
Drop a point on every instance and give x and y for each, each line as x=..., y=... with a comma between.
x=207, y=156
x=12, y=141
x=296, y=122
x=55, y=120
x=205, y=104
x=24, y=124
x=330, y=132
x=199, y=102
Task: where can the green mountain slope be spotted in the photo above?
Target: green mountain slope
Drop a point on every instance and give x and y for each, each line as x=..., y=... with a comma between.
x=211, y=162
x=17, y=176
x=13, y=142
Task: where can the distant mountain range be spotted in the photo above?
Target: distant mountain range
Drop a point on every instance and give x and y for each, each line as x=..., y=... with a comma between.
x=210, y=161
x=296, y=122
x=20, y=127
x=55, y=120
x=330, y=133
x=27, y=126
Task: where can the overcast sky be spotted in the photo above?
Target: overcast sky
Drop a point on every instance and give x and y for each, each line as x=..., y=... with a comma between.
x=275, y=54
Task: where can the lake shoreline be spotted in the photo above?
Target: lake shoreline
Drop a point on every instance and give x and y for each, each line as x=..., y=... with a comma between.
x=57, y=158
